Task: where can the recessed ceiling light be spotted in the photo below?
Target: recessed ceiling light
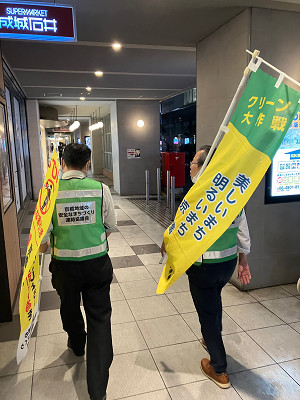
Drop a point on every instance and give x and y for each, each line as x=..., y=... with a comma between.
x=82, y=98
x=140, y=123
x=116, y=46
x=88, y=88
x=99, y=73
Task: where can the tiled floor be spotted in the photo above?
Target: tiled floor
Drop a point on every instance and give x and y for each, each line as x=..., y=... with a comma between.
x=156, y=337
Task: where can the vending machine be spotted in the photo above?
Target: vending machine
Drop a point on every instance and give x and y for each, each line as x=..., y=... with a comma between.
x=174, y=162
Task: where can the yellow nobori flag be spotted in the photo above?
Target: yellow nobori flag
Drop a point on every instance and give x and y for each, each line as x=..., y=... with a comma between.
x=29, y=296
x=255, y=131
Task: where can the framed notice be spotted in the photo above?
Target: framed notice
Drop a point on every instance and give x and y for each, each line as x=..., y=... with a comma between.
x=283, y=176
x=133, y=153
x=5, y=178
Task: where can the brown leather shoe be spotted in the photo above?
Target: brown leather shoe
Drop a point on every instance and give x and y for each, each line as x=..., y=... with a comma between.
x=203, y=344
x=221, y=380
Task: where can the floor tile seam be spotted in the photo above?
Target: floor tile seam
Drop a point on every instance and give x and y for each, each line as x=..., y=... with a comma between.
x=242, y=304
x=176, y=343
x=261, y=327
x=233, y=320
x=289, y=324
x=30, y=371
x=136, y=321
x=139, y=394
x=35, y=371
x=253, y=369
x=288, y=291
x=143, y=297
x=196, y=380
x=283, y=362
x=267, y=327
x=189, y=327
x=274, y=312
x=138, y=244
x=288, y=295
x=265, y=351
x=54, y=333
x=236, y=391
x=146, y=279
x=188, y=383
x=151, y=318
x=173, y=303
x=289, y=373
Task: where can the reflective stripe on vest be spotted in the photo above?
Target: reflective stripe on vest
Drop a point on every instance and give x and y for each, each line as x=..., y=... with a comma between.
x=210, y=255
x=73, y=194
x=66, y=253
x=220, y=254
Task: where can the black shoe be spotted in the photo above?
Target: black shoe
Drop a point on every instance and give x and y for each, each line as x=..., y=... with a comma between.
x=76, y=352
x=102, y=398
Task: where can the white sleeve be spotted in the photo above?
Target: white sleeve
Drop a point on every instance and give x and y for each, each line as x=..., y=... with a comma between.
x=243, y=236
x=108, y=210
x=46, y=238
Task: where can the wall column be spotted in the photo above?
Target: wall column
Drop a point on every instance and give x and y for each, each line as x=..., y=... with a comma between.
x=35, y=146
x=221, y=59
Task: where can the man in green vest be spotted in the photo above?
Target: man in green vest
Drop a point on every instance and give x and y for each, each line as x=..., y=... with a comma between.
x=81, y=268
x=207, y=277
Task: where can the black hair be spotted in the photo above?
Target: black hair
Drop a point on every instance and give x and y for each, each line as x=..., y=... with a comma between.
x=76, y=155
x=205, y=150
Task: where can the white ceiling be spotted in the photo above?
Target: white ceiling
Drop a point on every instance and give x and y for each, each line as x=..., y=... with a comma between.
x=158, y=57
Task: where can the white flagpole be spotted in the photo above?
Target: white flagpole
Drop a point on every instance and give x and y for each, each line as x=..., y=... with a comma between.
x=261, y=60
x=223, y=128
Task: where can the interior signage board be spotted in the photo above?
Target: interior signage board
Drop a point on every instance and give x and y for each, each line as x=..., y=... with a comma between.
x=285, y=168
x=37, y=21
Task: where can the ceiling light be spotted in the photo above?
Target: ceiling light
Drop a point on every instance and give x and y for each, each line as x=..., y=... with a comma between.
x=88, y=88
x=75, y=125
x=116, y=46
x=100, y=124
x=99, y=73
x=140, y=123
x=82, y=98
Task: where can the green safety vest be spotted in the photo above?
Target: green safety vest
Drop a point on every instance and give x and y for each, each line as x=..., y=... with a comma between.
x=78, y=231
x=224, y=248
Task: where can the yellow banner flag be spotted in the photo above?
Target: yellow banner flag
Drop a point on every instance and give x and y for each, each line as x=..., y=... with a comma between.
x=255, y=132
x=30, y=287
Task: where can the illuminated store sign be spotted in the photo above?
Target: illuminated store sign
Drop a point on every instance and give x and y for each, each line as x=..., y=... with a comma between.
x=37, y=22
x=284, y=179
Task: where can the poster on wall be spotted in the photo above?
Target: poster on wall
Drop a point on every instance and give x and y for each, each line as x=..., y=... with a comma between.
x=284, y=175
x=87, y=140
x=133, y=153
x=5, y=178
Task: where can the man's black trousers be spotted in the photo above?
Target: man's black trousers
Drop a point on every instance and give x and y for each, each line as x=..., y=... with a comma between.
x=206, y=283
x=90, y=279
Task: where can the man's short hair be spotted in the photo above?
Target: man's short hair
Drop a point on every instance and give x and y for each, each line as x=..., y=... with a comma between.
x=76, y=155
x=205, y=150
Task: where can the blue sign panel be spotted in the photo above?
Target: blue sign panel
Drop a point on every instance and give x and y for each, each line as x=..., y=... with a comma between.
x=284, y=175
x=33, y=21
